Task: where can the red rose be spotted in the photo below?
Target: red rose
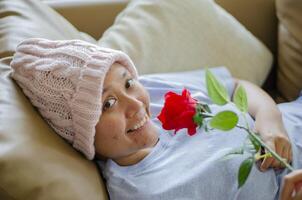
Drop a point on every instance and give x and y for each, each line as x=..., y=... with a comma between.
x=178, y=112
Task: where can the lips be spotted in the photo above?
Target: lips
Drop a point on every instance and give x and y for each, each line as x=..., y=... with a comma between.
x=140, y=124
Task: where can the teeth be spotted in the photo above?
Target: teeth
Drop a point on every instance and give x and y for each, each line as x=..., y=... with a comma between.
x=140, y=124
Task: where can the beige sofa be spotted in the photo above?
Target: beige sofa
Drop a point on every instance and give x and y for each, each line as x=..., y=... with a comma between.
x=34, y=162
x=258, y=16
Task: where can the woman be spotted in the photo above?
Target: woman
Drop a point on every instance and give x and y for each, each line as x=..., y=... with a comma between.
x=94, y=98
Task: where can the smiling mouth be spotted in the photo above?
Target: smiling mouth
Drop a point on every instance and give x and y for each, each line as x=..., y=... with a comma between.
x=139, y=125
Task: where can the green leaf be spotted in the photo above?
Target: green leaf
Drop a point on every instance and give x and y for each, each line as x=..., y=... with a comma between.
x=199, y=108
x=207, y=108
x=216, y=91
x=255, y=143
x=234, y=152
x=244, y=171
x=251, y=145
x=240, y=99
x=225, y=120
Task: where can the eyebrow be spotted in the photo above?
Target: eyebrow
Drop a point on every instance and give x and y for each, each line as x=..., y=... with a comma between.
x=123, y=77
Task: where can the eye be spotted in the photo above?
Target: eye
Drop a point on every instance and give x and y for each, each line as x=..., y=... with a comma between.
x=108, y=104
x=129, y=83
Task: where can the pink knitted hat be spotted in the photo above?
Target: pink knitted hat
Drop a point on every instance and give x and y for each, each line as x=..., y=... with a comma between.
x=64, y=80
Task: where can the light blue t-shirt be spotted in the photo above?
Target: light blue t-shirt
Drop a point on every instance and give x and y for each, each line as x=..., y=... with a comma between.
x=190, y=167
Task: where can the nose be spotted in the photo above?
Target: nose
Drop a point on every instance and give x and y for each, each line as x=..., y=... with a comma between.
x=133, y=107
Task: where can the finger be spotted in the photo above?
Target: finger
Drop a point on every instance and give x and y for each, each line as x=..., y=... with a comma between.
x=298, y=186
x=288, y=153
x=287, y=189
x=288, y=184
x=298, y=196
x=281, y=151
x=283, y=148
x=290, y=156
x=266, y=163
x=295, y=176
x=285, y=155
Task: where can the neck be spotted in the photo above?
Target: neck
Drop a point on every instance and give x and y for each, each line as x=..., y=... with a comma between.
x=133, y=158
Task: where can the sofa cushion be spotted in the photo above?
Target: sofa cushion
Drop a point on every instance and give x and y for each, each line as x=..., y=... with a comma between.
x=32, y=18
x=173, y=35
x=35, y=163
x=289, y=79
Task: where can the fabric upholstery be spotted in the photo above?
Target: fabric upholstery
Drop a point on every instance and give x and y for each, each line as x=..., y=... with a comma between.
x=289, y=80
x=21, y=19
x=257, y=16
x=173, y=35
x=35, y=163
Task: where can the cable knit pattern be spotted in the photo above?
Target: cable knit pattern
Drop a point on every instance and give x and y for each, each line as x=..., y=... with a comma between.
x=64, y=80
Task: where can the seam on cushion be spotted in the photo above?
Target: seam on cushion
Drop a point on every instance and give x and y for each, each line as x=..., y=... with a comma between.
x=6, y=193
x=7, y=13
x=4, y=54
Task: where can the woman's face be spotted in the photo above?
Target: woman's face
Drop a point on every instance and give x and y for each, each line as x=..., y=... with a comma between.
x=124, y=132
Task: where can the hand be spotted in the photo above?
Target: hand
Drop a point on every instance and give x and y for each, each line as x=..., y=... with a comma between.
x=280, y=143
x=292, y=186
x=270, y=127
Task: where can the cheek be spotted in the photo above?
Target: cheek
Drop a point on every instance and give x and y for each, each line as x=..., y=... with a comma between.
x=108, y=134
x=144, y=95
x=111, y=129
x=143, y=142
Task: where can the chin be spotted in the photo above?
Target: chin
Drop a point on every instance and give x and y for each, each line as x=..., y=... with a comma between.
x=153, y=137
